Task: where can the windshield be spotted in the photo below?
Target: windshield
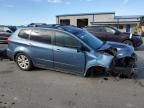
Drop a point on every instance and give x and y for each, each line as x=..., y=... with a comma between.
x=90, y=40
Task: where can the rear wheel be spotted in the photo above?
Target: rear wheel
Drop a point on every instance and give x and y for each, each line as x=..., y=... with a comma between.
x=128, y=42
x=23, y=62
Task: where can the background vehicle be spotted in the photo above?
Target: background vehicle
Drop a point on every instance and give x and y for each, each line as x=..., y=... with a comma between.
x=107, y=33
x=142, y=21
x=5, y=32
x=12, y=28
x=37, y=25
x=140, y=26
x=67, y=49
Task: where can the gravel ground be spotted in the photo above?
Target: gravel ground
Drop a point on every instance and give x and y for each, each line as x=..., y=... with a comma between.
x=50, y=89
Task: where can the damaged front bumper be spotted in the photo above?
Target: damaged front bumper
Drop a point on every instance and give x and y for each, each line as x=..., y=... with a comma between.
x=124, y=61
x=125, y=66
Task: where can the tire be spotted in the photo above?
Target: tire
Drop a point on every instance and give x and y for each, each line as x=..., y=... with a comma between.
x=128, y=42
x=23, y=62
x=95, y=71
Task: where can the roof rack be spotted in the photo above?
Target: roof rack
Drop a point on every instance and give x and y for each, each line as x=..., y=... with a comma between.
x=44, y=25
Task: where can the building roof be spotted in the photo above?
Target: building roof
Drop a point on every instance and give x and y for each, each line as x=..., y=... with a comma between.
x=128, y=17
x=82, y=14
x=101, y=13
x=114, y=22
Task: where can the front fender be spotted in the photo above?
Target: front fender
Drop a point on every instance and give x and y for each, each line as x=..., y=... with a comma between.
x=94, y=60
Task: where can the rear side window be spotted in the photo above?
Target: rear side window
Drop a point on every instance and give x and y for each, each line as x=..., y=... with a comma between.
x=24, y=34
x=65, y=40
x=109, y=30
x=90, y=29
x=43, y=36
x=95, y=29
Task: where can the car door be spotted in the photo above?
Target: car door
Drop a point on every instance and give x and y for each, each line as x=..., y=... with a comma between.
x=66, y=54
x=41, y=47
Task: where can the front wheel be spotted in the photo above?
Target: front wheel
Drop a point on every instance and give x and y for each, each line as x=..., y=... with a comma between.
x=23, y=62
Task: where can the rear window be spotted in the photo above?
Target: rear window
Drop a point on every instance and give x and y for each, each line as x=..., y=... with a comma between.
x=24, y=33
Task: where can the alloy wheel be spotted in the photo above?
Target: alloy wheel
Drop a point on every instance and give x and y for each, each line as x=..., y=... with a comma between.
x=23, y=62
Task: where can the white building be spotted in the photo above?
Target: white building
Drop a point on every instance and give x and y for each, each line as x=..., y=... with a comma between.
x=123, y=23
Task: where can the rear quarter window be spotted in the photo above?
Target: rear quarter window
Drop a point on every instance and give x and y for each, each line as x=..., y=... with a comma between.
x=95, y=29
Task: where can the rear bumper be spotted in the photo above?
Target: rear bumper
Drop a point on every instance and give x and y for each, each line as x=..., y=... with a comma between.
x=3, y=53
x=3, y=39
x=10, y=54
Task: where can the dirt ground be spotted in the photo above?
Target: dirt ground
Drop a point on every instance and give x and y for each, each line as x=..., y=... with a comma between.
x=50, y=89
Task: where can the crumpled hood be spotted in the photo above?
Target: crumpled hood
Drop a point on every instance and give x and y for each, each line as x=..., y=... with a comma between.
x=123, y=50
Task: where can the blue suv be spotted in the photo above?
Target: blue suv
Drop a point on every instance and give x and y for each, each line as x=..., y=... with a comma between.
x=66, y=49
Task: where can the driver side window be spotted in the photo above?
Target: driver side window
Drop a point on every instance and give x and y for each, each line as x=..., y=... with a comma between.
x=66, y=40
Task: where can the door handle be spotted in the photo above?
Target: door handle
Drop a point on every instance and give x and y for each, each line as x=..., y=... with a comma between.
x=58, y=50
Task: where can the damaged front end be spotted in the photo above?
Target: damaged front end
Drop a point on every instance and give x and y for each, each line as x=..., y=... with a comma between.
x=124, y=61
x=125, y=66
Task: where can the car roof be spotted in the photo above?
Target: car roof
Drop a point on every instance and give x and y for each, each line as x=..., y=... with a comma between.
x=70, y=29
x=100, y=26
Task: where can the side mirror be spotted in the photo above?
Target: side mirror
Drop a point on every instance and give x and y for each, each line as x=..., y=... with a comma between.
x=82, y=49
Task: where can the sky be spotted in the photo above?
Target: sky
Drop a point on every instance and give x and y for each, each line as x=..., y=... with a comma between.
x=23, y=12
